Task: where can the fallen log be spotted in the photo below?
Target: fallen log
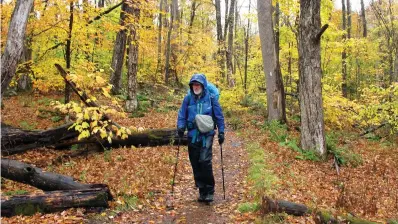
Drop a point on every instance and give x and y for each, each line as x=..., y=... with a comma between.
x=15, y=140
x=320, y=217
x=324, y=217
x=154, y=137
x=280, y=206
x=46, y=181
x=53, y=201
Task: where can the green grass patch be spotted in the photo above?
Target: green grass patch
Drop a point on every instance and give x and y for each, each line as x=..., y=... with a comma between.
x=263, y=179
x=56, y=118
x=277, y=131
x=272, y=218
x=127, y=202
x=27, y=126
x=303, y=154
x=235, y=123
x=107, y=155
x=26, y=101
x=167, y=108
x=343, y=155
x=16, y=192
x=45, y=101
x=248, y=207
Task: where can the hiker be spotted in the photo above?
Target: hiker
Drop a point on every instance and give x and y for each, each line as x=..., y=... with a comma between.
x=200, y=134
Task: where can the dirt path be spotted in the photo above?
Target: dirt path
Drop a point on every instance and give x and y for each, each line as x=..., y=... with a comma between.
x=186, y=208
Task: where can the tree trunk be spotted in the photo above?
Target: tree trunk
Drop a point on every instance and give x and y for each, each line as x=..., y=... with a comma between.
x=174, y=44
x=168, y=48
x=363, y=18
x=394, y=43
x=191, y=21
x=53, y=201
x=24, y=81
x=230, y=79
x=226, y=22
x=311, y=106
x=247, y=49
x=36, y=177
x=395, y=78
x=159, y=61
x=275, y=90
x=132, y=101
x=220, y=40
x=15, y=41
x=218, y=21
x=118, y=53
x=101, y=3
x=344, y=54
x=277, y=39
x=68, y=56
x=234, y=38
x=194, y=6
x=349, y=23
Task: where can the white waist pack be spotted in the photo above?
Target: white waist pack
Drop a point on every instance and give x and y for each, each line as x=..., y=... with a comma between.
x=204, y=123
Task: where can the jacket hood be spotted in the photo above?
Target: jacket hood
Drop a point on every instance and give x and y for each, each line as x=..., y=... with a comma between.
x=198, y=78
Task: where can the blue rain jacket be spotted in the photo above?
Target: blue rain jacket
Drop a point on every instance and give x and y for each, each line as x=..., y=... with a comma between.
x=205, y=103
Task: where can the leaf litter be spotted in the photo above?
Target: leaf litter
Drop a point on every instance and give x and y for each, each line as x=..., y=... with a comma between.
x=140, y=178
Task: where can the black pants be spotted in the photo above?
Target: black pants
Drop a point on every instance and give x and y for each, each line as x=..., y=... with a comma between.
x=201, y=162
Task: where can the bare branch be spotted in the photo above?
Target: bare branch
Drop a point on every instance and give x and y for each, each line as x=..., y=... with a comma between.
x=49, y=49
x=323, y=29
x=105, y=12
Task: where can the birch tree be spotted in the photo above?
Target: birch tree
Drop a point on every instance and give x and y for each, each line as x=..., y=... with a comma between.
x=15, y=42
x=274, y=84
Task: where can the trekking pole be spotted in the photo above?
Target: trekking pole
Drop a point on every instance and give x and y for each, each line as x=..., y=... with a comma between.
x=222, y=171
x=175, y=167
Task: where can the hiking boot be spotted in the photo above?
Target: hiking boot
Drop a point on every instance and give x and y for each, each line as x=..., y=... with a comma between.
x=209, y=198
x=202, y=197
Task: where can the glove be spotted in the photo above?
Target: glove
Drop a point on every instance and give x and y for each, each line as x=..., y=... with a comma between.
x=221, y=138
x=180, y=132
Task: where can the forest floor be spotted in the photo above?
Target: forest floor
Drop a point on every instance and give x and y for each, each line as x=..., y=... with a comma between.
x=140, y=178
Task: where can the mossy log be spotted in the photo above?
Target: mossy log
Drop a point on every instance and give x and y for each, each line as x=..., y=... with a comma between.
x=324, y=217
x=53, y=201
x=320, y=217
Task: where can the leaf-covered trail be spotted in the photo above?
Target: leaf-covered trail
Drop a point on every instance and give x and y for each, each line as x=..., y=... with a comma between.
x=139, y=178
x=186, y=208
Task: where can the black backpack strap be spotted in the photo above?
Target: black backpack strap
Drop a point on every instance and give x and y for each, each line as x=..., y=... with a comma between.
x=212, y=109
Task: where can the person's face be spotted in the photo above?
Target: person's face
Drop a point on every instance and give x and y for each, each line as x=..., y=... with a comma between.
x=197, y=88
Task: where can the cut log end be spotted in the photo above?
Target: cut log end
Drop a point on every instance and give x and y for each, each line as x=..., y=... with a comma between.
x=280, y=206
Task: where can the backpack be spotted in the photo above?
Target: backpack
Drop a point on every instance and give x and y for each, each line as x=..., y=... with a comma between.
x=204, y=124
